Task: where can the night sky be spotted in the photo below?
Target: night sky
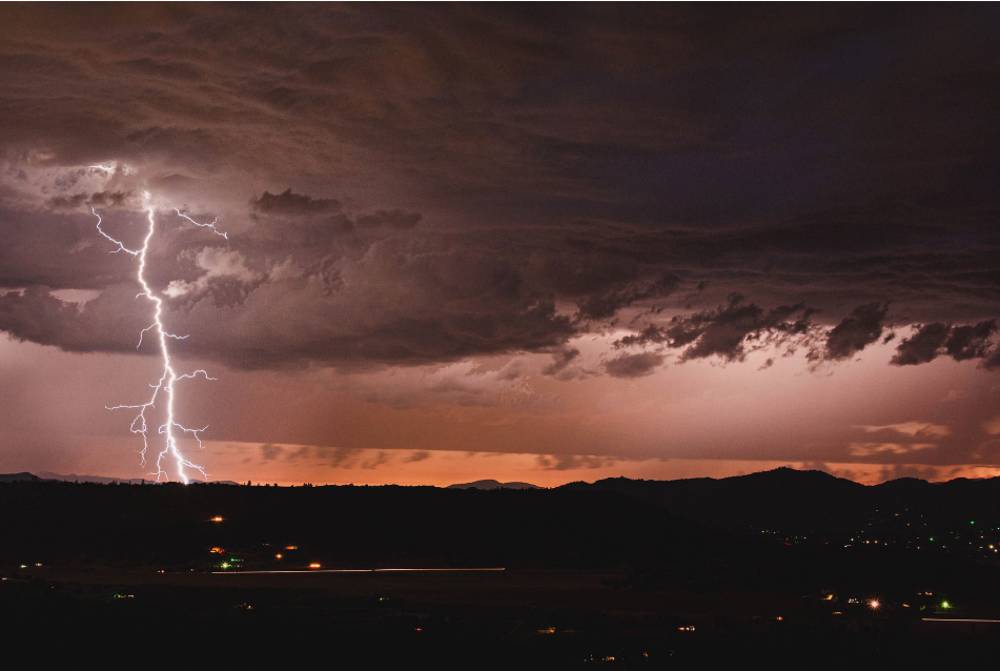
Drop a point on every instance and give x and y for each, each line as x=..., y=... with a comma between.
x=517, y=242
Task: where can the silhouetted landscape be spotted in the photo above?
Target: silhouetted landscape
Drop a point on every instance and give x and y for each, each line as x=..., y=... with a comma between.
x=626, y=573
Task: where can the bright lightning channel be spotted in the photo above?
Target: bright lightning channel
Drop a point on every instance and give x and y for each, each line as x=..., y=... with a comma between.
x=164, y=386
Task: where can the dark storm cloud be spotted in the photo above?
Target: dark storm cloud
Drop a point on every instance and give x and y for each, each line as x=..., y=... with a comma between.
x=970, y=342
x=480, y=179
x=959, y=342
x=605, y=304
x=99, y=199
x=729, y=331
x=293, y=204
x=335, y=457
x=634, y=365
x=922, y=346
x=318, y=287
x=855, y=332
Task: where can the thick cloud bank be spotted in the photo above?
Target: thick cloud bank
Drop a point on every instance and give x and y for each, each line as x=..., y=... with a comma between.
x=404, y=186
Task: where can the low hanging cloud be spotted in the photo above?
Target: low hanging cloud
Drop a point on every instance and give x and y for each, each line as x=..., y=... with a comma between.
x=634, y=365
x=95, y=199
x=913, y=429
x=607, y=303
x=570, y=462
x=729, y=332
x=875, y=449
x=861, y=328
x=309, y=281
x=562, y=359
x=270, y=452
x=959, y=342
x=921, y=347
x=288, y=203
x=971, y=342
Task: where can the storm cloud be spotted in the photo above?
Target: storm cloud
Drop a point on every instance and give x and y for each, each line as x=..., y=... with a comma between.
x=410, y=187
x=856, y=331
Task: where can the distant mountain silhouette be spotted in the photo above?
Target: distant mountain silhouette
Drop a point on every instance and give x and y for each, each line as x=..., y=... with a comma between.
x=18, y=477
x=97, y=479
x=493, y=484
x=803, y=501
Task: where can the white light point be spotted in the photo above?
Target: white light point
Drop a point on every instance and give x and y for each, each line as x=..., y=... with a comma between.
x=164, y=387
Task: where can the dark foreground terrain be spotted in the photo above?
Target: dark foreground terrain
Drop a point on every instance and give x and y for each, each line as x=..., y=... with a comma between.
x=791, y=569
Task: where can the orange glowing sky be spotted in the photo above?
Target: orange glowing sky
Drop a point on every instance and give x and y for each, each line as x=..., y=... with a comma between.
x=459, y=422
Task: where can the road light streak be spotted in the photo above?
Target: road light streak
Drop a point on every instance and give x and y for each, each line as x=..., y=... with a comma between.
x=966, y=620
x=488, y=569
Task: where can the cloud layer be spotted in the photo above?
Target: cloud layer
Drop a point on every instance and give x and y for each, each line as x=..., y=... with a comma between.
x=412, y=187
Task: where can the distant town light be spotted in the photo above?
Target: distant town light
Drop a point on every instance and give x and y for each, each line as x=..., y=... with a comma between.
x=945, y=605
x=874, y=604
x=291, y=547
x=216, y=550
x=217, y=519
x=315, y=565
x=278, y=555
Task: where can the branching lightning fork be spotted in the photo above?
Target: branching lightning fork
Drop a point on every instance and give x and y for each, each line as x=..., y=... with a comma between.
x=164, y=388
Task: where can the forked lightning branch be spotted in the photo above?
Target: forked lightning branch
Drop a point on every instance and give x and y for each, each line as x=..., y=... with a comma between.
x=164, y=389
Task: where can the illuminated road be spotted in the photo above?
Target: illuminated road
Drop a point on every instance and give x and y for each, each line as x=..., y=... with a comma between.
x=489, y=569
x=967, y=620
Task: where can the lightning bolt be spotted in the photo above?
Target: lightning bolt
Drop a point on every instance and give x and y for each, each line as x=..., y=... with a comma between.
x=164, y=389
